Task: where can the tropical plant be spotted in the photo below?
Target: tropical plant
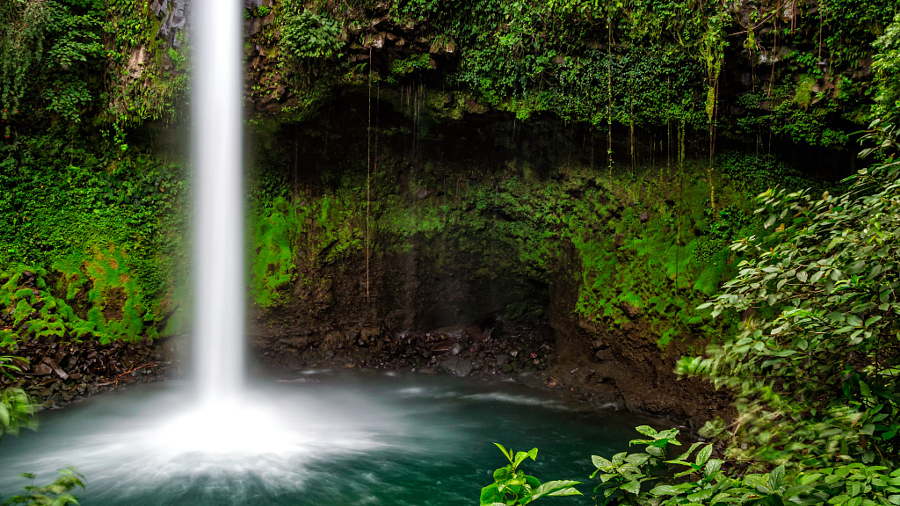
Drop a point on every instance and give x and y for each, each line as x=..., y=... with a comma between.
x=16, y=409
x=694, y=478
x=57, y=493
x=513, y=487
x=886, y=109
x=815, y=368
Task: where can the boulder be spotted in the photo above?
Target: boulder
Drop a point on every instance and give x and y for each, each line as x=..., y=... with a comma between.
x=456, y=366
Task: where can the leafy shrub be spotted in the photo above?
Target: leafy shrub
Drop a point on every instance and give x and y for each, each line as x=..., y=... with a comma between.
x=811, y=368
x=513, y=487
x=16, y=409
x=695, y=478
x=886, y=65
x=57, y=493
x=306, y=35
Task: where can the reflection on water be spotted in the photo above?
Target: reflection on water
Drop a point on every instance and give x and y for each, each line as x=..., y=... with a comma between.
x=317, y=438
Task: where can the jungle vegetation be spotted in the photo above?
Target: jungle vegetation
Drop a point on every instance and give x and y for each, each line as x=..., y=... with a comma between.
x=802, y=318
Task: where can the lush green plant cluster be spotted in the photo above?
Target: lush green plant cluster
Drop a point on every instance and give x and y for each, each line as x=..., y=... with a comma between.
x=819, y=309
x=513, y=487
x=308, y=38
x=67, y=62
x=50, y=53
x=58, y=493
x=290, y=239
x=16, y=410
x=633, y=62
x=887, y=99
x=100, y=238
x=695, y=478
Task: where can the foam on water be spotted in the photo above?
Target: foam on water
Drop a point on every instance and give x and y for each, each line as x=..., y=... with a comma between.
x=274, y=438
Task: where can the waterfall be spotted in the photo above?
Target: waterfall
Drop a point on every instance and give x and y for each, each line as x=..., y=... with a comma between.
x=219, y=298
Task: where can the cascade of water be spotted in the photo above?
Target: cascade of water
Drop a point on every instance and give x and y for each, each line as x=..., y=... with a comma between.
x=218, y=199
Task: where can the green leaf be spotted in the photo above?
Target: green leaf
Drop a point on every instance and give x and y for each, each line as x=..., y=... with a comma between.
x=646, y=430
x=637, y=459
x=685, y=455
x=520, y=456
x=4, y=415
x=632, y=487
x=507, y=453
x=712, y=466
x=558, y=488
x=661, y=490
x=776, y=477
x=600, y=462
x=703, y=455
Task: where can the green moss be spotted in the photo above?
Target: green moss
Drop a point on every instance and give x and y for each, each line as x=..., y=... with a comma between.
x=25, y=293
x=23, y=309
x=293, y=239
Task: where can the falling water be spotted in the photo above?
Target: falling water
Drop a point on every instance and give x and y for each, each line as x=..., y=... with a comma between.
x=219, y=220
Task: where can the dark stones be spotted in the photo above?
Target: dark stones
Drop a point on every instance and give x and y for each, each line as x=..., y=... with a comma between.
x=457, y=366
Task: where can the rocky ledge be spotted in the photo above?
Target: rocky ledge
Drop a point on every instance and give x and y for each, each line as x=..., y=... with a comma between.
x=55, y=372
x=523, y=352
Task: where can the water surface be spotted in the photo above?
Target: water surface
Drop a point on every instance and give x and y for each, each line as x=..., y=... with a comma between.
x=313, y=438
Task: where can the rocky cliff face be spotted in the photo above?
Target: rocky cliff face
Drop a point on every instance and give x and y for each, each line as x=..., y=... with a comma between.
x=494, y=248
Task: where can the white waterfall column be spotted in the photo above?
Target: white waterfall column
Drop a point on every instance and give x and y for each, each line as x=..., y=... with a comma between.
x=218, y=231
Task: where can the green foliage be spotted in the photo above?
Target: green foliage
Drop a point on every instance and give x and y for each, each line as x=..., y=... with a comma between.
x=754, y=174
x=57, y=493
x=513, y=487
x=307, y=35
x=402, y=68
x=812, y=368
x=100, y=236
x=291, y=239
x=624, y=475
x=887, y=96
x=698, y=479
x=16, y=409
x=21, y=48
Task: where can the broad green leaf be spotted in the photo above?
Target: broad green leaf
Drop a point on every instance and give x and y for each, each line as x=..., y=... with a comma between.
x=685, y=455
x=703, y=455
x=632, y=487
x=599, y=461
x=506, y=452
x=559, y=488
x=776, y=477
x=661, y=490
x=646, y=430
